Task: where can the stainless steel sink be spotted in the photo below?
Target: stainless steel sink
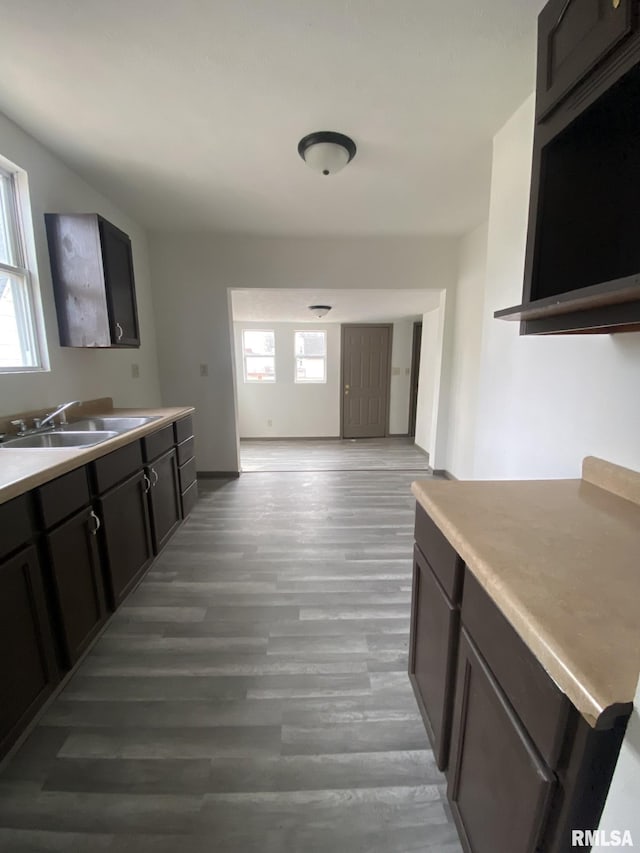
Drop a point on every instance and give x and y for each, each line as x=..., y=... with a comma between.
x=64, y=439
x=110, y=423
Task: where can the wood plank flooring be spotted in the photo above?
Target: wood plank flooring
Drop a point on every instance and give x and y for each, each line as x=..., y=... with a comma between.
x=251, y=694
x=369, y=454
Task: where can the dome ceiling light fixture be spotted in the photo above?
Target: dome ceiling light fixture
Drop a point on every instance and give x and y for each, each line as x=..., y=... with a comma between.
x=319, y=311
x=326, y=151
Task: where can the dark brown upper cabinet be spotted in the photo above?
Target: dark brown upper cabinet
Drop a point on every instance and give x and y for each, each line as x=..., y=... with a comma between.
x=93, y=282
x=582, y=267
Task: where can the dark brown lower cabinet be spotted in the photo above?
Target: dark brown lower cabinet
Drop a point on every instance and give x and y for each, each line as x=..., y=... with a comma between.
x=499, y=787
x=524, y=768
x=125, y=535
x=164, y=498
x=74, y=564
x=432, y=657
x=28, y=671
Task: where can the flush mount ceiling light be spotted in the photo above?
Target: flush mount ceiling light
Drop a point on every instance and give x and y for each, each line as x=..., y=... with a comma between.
x=326, y=152
x=319, y=310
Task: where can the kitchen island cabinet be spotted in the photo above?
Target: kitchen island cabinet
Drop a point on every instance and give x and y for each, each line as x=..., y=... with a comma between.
x=536, y=684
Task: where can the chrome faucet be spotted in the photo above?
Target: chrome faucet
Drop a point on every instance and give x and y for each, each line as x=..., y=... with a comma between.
x=61, y=410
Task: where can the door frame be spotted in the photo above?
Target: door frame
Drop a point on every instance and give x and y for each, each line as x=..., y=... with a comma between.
x=343, y=327
x=414, y=381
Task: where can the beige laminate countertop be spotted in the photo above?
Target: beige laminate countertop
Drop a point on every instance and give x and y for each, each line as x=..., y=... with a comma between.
x=26, y=468
x=561, y=559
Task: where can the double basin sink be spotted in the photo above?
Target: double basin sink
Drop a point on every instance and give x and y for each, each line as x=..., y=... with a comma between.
x=81, y=433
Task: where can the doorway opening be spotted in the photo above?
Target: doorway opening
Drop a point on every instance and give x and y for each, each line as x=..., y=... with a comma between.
x=337, y=392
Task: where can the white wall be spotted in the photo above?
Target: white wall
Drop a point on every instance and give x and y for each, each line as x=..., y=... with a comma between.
x=192, y=273
x=430, y=382
x=400, y=380
x=77, y=373
x=295, y=410
x=465, y=369
x=544, y=402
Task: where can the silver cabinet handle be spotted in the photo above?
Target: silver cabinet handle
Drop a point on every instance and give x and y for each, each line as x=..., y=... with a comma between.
x=97, y=523
x=147, y=482
x=119, y=331
x=154, y=473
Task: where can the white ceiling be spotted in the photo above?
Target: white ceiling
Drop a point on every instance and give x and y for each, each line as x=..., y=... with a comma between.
x=188, y=113
x=264, y=305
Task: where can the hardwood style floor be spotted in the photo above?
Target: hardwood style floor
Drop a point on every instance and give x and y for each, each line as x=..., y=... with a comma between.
x=251, y=695
x=367, y=454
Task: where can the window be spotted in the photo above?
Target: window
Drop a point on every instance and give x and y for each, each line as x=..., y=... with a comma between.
x=18, y=333
x=259, y=352
x=311, y=356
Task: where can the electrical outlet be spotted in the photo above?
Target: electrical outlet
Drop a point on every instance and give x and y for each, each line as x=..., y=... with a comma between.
x=269, y=422
x=204, y=370
x=135, y=371
x=395, y=371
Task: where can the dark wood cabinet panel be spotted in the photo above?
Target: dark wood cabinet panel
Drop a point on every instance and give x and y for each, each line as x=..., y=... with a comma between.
x=76, y=578
x=15, y=524
x=63, y=496
x=28, y=671
x=441, y=556
x=157, y=443
x=538, y=702
x=116, y=466
x=573, y=36
x=432, y=657
x=499, y=787
x=125, y=535
x=187, y=474
x=94, y=287
x=117, y=261
x=188, y=499
x=185, y=450
x=164, y=499
x=183, y=429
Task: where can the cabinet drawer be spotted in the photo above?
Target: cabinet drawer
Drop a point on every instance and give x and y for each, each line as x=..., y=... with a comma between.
x=573, y=37
x=441, y=556
x=188, y=499
x=157, y=443
x=116, y=466
x=183, y=429
x=539, y=704
x=187, y=474
x=63, y=496
x=15, y=524
x=186, y=450
x=435, y=624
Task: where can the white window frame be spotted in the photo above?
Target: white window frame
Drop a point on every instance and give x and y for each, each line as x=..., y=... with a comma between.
x=322, y=358
x=14, y=199
x=245, y=355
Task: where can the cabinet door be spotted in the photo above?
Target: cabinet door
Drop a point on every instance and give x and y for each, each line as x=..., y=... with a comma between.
x=28, y=671
x=164, y=498
x=75, y=568
x=573, y=36
x=434, y=644
x=125, y=535
x=499, y=788
x=120, y=288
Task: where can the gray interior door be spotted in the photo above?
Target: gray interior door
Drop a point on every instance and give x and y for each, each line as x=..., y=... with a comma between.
x=366, y=351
